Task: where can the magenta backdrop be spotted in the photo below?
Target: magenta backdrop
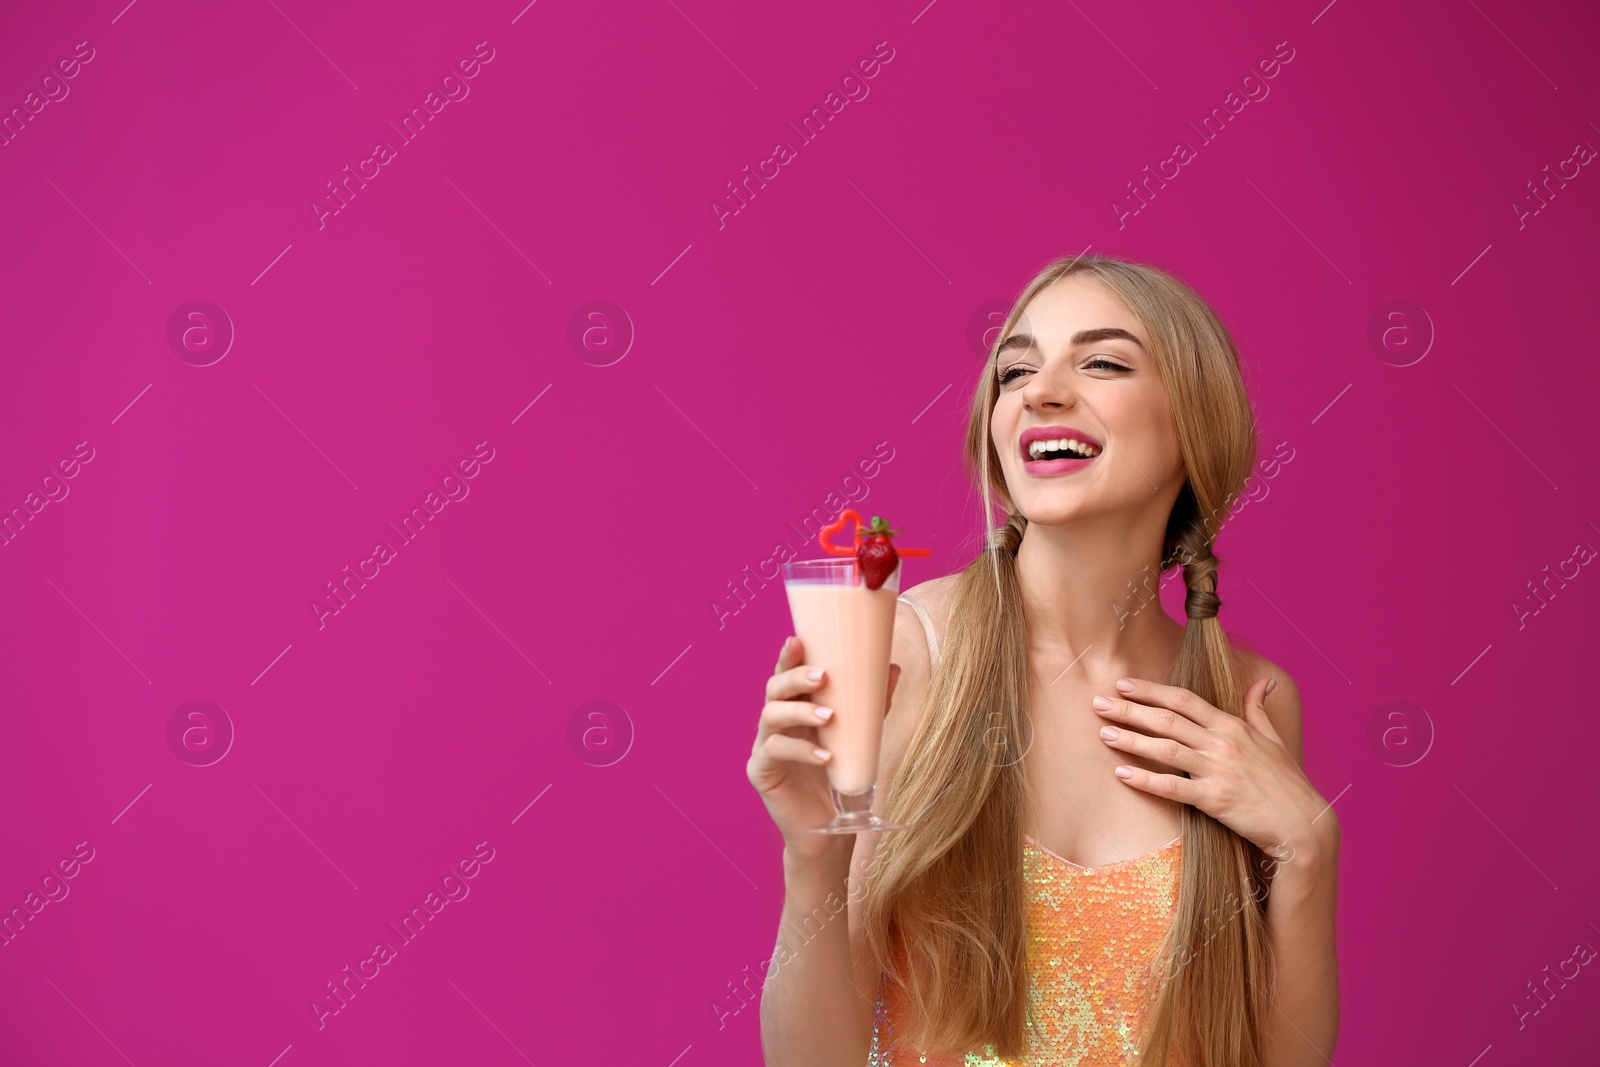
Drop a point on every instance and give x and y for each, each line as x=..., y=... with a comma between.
x=540, y=315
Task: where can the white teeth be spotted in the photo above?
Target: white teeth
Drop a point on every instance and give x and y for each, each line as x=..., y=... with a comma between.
x=1036, y=448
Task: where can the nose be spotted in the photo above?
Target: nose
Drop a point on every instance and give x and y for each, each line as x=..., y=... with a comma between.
x=1042, y=391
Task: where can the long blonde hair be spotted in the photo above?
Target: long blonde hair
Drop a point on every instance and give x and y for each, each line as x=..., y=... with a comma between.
x=946, y=908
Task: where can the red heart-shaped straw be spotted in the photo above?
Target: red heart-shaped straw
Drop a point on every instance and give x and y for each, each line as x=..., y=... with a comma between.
x=825, y=537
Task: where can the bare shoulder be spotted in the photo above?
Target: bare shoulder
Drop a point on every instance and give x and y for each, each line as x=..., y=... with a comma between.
x=940, y=588
x=936, y=595
x=913, y=654
x=1282, y=704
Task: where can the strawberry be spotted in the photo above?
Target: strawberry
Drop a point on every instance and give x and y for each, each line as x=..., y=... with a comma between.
x=875, y=555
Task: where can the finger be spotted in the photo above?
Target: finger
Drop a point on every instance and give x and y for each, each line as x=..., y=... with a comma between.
x=1171, y=786
x=794, y=682
x=794, y=749
x=1162, y=750
x=779, y=715
x=894, y=676
x=1161, y=722
x=1173, y=697
x=790, y=654
x=1255, y=708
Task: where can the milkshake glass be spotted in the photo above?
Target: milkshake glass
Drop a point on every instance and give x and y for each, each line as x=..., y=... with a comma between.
x=848, y=630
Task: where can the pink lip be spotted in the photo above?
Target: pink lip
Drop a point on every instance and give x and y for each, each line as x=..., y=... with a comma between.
x=1044, y=468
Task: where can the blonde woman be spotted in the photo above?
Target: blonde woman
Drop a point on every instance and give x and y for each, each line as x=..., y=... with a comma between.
x=1043, y=706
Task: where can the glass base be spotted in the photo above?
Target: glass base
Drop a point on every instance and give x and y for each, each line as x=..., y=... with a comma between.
x=853, y=814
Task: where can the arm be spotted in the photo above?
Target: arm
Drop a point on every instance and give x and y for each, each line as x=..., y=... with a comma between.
x=1303, y=1026
x=810, y=1013
x=816, y=1009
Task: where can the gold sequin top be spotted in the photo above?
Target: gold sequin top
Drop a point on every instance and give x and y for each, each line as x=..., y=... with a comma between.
x=1092, y=935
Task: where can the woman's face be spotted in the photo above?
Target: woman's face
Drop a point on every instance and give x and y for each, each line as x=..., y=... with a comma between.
x=1074, y=367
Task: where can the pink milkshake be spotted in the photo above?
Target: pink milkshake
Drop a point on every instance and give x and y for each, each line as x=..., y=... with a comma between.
x=843, y=611
x=847, y=629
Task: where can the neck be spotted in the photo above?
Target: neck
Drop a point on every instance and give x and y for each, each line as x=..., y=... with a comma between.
x=1090, y=589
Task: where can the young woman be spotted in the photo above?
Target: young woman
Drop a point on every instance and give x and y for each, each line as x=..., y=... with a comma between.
x=1043, y=705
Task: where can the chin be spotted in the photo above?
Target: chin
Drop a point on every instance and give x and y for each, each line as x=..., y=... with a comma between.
x=1053, y=509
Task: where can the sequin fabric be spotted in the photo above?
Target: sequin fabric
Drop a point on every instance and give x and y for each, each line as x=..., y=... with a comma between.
x=1092, y=935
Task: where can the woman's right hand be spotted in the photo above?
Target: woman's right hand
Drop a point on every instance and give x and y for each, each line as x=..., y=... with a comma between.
x=785, y=765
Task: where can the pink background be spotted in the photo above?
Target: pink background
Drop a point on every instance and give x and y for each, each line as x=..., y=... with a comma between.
x=829, y=318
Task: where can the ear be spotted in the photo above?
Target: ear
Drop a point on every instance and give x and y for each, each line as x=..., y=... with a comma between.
x=1255, y=707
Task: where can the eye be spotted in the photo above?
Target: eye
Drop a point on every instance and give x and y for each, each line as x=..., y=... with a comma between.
x=1006, y=374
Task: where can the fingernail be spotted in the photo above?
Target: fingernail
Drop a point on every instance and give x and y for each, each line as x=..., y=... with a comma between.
x=1124, y=772
x=1110, y=733
x=824, y=713
x=1103, y=703
x=815, y=674
x=1125, y=684
x=1272, y=683
x=822, y=753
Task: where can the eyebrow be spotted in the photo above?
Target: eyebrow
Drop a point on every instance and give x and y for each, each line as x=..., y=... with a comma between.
x=1082, y=337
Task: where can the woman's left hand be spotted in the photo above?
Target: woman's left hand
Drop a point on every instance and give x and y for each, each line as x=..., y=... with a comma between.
x=1239, y=771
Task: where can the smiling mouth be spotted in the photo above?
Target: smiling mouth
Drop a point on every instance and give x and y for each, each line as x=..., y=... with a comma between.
x=1061, y=448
